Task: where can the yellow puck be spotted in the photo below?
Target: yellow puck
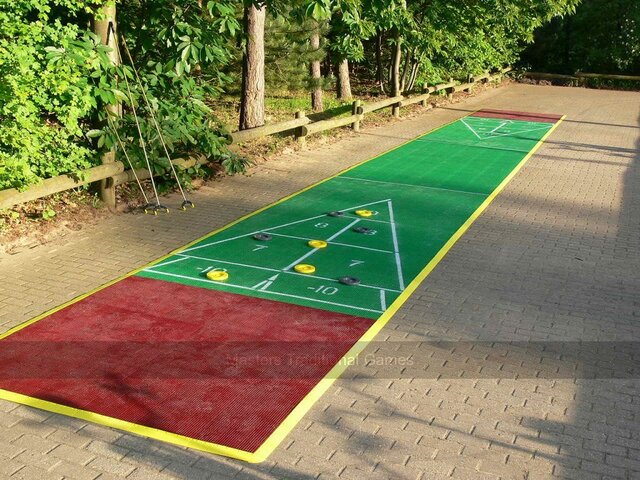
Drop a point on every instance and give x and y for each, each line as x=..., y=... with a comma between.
x=304, y=268
x=364, y=213
x=317, y=243
x=217, y=275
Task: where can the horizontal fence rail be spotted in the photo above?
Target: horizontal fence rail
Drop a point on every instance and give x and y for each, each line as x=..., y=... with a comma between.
x=301, y=126
x=308, y=127
x=11, y=196
x=114, y=171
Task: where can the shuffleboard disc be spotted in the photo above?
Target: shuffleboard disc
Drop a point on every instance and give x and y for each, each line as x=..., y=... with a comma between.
x=317, y=243
x=364, y=213
x=304, y=268
x=217, y=275
x=263, y=237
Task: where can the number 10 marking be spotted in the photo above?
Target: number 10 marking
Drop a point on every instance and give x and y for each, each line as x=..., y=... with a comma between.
x=325, y=290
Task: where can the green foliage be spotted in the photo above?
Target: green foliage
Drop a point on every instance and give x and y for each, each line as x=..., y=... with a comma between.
x=52, y=75
x=465, y=37
x=348, y=31
x=441, y=39
x=602, y=37
x=56, y=79
x=234, y=163
x=179, y=50
x=48, y=213
x=288, y=53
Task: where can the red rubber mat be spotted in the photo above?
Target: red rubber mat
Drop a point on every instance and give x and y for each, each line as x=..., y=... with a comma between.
x=513, y=115
x=206, y=364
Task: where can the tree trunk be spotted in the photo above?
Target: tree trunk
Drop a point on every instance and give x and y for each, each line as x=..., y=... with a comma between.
x=414, y=74
x=379, y=69
x=343, y=84
x=316, y=74
x=405, y=71
x=395, y=68
x=252, y=100
x=104, y=26
x=396, y=87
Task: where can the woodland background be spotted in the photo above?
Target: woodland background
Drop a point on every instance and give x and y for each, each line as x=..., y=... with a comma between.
x=209, y=67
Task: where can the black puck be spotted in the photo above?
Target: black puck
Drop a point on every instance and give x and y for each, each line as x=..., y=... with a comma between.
x=263, y=237
x=336, y=214
x=349, y=280
x=362, y=229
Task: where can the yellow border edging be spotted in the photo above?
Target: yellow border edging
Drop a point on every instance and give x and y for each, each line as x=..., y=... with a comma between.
x=320, y=388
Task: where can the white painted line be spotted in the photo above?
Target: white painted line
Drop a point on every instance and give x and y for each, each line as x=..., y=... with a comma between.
x=383, y=300
x=165, y=263
x=492, y=133
x=324, y=215
x=337, y=234
x=367, y=219
x=269, y=292
x=296, y=262
x=394, y=236
x=518, y=132
x=336, y=243
x=311, y=252
x=470, y=128
x=213, y=260
x=276, y=227
x=499, y=127
x=265, y=283
x=218, y=241
x=253, y=233
x=484, y=145
x=294, y=223
x=409, y=185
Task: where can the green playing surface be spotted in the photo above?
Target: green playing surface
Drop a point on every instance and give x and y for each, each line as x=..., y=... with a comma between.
x=421, y=193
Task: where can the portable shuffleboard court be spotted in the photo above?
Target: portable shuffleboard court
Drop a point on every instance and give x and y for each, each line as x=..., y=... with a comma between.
x=223, y=345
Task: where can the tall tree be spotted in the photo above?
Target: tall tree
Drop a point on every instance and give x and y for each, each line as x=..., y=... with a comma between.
x=253, y=84
x=379, y=67
x=315, y=13
x=343, y=83
x=347, y=31
x=396, y=58
x=104, y=26
x=317, y=104
x=603, y=37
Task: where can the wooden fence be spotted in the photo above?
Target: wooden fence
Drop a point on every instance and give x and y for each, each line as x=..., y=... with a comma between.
x=301, y=126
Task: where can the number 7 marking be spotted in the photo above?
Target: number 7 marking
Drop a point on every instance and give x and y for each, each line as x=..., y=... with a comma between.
x=356, y=262
x=259, y=247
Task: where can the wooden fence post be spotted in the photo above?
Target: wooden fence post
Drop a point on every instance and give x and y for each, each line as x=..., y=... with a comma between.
x=299, y=132
x=395, y=110
x=425, y=88
x=356, y=110
x=105, y=27
x=450, y=90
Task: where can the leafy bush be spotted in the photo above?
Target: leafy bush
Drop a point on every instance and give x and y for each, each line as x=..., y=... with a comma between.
x=50, y=71
x=56, y=79
x=602, y=37
x=178, y=49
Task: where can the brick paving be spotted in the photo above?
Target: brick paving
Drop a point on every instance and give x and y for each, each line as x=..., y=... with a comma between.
x=522, y=342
